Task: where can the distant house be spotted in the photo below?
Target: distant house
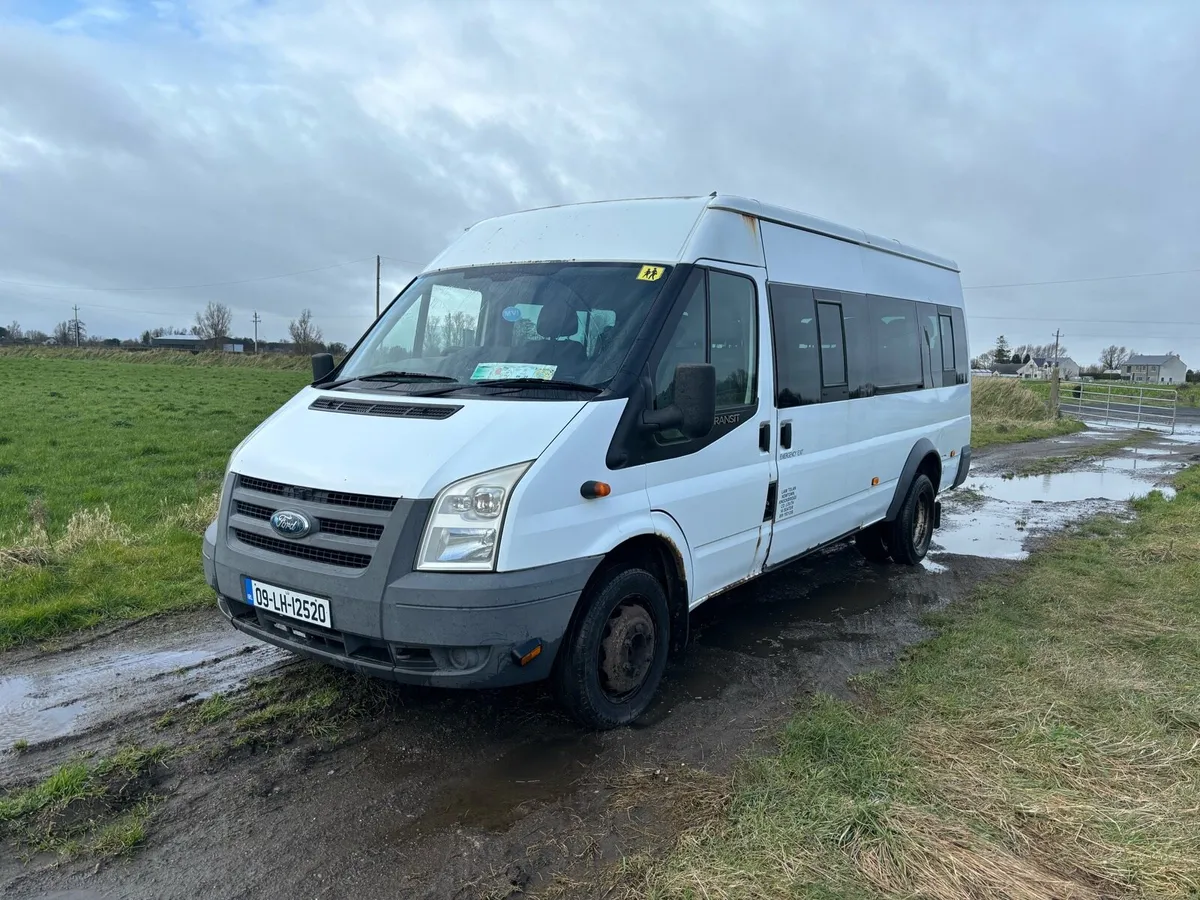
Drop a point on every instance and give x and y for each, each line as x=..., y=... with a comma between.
x=1008, y=370
x=1168, y=369
x=178, y=342
x=1042, y=367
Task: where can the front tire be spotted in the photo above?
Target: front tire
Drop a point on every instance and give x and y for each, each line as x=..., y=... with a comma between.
x=612, y=662
x=912, y=530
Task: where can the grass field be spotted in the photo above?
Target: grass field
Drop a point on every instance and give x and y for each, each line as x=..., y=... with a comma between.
x=110, y=462
x=1044, y=745
x=108, y=471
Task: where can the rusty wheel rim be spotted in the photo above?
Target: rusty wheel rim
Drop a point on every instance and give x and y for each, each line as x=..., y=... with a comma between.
x=627, y=649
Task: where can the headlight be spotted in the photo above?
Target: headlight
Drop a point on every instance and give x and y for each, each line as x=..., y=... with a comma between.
x=463, y=531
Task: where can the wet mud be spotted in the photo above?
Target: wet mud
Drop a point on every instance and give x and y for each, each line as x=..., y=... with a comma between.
x=496, y=794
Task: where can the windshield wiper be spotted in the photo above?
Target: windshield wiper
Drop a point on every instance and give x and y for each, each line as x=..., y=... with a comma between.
x=539, y=382
x=393, y=376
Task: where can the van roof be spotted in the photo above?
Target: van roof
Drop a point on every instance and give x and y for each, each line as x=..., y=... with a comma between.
x=663, y=234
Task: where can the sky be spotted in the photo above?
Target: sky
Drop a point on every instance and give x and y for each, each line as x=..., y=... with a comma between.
x=155, y=156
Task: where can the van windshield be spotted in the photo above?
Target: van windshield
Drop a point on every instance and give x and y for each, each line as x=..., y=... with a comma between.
x=560, y=322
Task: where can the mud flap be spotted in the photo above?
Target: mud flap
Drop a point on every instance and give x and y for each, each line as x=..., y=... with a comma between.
x=937, y=514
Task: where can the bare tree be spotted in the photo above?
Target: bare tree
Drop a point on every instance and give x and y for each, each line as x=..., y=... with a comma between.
x=15, y=333
x=306, y=337
x=36, y=337
x=71, y=331
x=213, y=324
x=1112, y=357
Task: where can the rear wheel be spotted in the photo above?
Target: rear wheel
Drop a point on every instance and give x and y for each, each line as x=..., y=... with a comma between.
x=612, y=663
x=912, y=530
x=872, y=543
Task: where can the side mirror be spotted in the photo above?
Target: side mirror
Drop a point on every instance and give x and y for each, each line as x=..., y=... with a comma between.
x=322, y=366
x=694, y=411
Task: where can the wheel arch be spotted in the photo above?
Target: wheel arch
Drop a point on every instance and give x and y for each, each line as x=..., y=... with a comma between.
x=923, y=459
x=660, y=555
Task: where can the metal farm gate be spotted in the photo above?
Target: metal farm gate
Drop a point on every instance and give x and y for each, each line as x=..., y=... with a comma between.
x=1119, y=403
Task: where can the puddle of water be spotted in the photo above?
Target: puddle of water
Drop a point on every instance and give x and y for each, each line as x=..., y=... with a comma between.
x=1016, y=508
x=1066, y=487
x=65, y=693
x=496, y=795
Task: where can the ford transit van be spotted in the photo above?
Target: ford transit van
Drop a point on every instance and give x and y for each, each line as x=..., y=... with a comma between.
x=580, y=423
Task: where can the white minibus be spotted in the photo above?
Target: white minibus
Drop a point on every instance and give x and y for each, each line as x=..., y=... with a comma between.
x=580, y=423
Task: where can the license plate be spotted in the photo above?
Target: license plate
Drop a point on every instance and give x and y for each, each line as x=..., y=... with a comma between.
x=281, y=601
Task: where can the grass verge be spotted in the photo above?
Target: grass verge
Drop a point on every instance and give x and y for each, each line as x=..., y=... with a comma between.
x=1006, y=411
x=110, y=474
x=87, y=808
x=1044, y=745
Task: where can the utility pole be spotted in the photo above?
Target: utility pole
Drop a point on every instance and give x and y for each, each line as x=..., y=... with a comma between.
x=76, y=324
x=1057, y=335
x=376, y=285
x=256, y=320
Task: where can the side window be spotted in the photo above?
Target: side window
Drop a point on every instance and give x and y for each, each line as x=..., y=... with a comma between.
x=733, y=338
x=833, y=345
x=897, y=344
x=962, y=358
x=797, y=347
x=687, y=343
x=947, y=343
x=931, y=344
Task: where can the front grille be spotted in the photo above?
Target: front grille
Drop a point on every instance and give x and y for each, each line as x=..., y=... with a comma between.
x=326, y=526
x=352, y=529
x=385, y=408
x=315, y=495
x=253, y=510
x=304, y=551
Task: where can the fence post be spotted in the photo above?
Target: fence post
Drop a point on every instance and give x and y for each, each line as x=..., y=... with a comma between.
x=1108, y=404
x=1054, y=393
x=1141, y=395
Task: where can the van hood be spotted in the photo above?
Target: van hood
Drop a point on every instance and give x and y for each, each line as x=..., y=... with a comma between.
x=397, y=457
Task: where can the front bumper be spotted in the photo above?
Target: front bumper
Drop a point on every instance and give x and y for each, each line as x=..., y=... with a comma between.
x=432, y=628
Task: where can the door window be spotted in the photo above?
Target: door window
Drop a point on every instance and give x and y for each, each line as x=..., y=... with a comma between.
x=797, y=347
x=833, y=344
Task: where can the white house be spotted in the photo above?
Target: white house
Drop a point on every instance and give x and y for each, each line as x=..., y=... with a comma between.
x=1168, y=369
x=1042, y=367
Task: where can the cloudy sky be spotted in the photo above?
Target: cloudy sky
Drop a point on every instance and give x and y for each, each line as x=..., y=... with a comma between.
x=157, y=155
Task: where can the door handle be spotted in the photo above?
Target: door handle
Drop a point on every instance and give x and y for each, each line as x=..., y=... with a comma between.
x=785, y=436
x=764, y=437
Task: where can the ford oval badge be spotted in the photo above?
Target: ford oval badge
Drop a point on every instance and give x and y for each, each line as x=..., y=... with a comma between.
x=291, y=524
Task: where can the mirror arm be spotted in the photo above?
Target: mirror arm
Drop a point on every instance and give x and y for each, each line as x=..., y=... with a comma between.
x=662, y=419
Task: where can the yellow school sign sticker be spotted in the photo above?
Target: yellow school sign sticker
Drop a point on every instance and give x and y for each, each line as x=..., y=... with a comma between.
x=650, y=273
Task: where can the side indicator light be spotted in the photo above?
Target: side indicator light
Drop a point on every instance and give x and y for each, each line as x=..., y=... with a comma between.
x=953, y=453
x=590, y=490
x=527, y=652
x=874, y=482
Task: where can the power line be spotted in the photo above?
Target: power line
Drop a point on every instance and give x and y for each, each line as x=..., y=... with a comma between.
x=989, y=287
x=1020, y=318
x=183, y=287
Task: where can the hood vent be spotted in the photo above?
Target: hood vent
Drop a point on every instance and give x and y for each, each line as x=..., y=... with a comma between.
x=384, y=408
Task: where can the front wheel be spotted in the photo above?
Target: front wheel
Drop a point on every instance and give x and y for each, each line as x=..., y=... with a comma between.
x=612, y=662
x=912, y=529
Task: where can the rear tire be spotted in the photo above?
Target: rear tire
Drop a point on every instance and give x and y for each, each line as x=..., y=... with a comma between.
x=912, y=529
x=612, y=662
x=872, y=543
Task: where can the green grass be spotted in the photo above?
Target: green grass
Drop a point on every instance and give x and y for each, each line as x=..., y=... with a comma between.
x=111, y=471
x=95, y=808
x=1008, y=411
x=1044, y=744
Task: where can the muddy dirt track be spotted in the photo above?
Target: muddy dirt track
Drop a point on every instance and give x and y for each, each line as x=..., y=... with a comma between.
x=467, y=795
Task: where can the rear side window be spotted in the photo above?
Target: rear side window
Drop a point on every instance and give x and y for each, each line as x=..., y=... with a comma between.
x=947, y=328
x=797, y=347
x=833, y=344
x=897, y=344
